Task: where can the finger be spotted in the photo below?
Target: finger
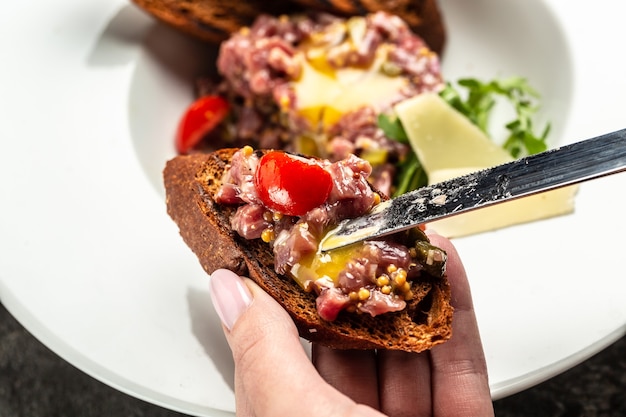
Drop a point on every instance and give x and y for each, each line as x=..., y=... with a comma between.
x=273, y=374
x=242, y=404
x=459, y=369
x=353, y=372
x=404, y=384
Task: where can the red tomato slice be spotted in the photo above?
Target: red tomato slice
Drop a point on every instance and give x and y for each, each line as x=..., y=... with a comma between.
x=290, y=185
x=199, y=119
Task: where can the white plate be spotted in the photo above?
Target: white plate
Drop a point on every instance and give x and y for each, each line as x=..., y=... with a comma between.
x=90, y=93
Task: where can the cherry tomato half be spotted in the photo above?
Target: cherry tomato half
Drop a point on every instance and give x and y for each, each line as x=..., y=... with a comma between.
x=199, y=119
x=291, y=185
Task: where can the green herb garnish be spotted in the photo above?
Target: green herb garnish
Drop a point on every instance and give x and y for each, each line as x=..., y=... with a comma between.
x=481, y=99
x=392, y=127
x=477, y=106
x=410, y=174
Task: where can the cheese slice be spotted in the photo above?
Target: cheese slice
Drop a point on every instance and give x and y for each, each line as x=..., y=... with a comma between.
x=448, y=145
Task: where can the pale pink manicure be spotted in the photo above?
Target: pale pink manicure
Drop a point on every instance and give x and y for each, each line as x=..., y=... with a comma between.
x=230, y=296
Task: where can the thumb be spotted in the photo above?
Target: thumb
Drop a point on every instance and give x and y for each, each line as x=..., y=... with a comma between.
x=273, y=374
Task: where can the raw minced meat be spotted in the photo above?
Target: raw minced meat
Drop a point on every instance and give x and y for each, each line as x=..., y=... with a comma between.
x=374, y=277
x=260, y=68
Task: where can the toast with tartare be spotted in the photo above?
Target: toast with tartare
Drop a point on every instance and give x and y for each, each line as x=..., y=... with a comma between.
x=193, y=184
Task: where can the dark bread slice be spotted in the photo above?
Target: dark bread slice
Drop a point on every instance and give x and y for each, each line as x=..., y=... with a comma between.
x=212, y=20
x=190, y=183
x=215, y=20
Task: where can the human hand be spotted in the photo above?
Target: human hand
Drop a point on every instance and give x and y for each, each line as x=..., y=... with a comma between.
x=274, y=376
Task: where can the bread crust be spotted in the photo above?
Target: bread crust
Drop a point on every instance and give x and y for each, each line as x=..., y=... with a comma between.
x=190, y=183
x=215, y=20
x=211, y=20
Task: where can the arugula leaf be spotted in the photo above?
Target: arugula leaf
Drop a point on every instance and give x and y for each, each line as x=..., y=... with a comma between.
x=410, y=175
x=481, y=99
x=392, y=127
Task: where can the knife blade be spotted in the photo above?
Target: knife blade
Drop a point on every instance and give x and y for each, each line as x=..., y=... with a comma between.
x=545, y=171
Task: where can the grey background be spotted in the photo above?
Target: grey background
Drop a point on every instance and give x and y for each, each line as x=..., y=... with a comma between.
x=35, y=382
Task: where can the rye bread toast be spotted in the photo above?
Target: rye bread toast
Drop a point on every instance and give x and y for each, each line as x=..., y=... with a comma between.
x=215, y=20
x=191, y=181
x=212, y=20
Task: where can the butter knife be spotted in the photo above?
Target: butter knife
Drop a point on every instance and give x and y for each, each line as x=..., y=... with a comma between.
x=555, y=168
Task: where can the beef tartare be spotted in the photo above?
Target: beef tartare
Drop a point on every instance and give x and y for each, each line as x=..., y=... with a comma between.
x=316, y=84
x=295, y=206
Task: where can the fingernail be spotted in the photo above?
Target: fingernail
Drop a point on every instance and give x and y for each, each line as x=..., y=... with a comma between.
x=230, y=296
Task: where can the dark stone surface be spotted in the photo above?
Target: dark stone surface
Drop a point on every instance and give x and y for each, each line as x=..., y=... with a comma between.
x=34, y=382
x=595, y=388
